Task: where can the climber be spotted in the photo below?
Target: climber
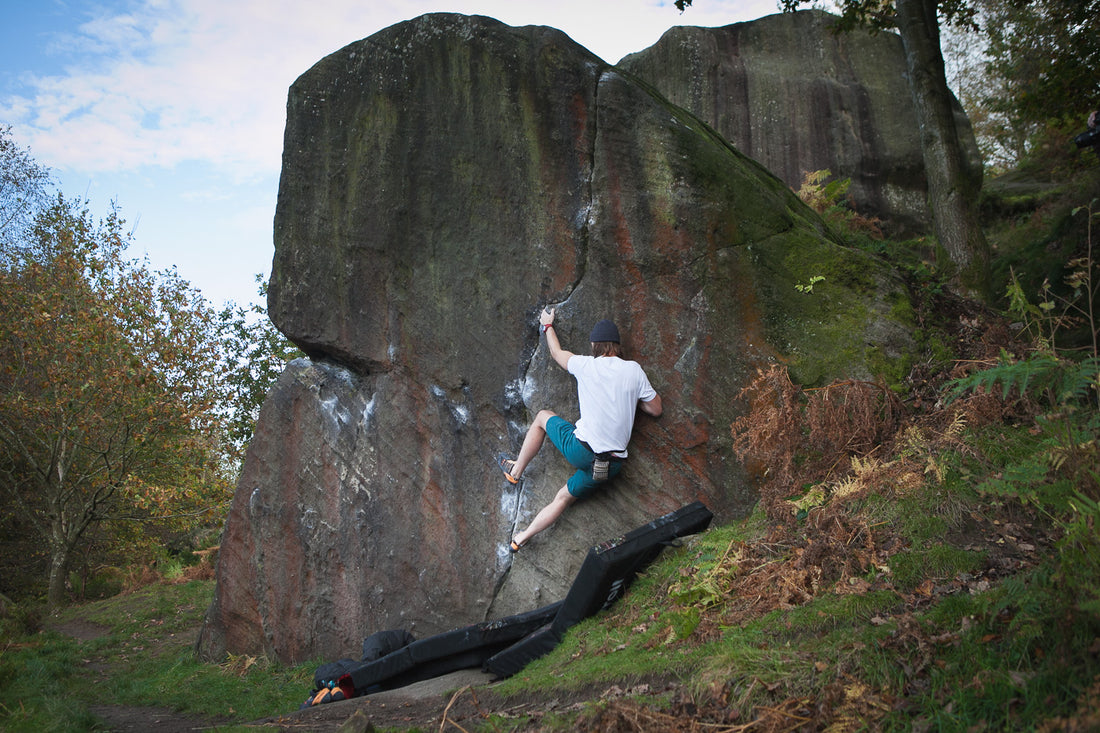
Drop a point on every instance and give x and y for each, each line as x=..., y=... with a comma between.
x=609, y=390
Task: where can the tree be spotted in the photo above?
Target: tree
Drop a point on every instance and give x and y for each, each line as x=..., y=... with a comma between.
x=952, y=196
x=1044, y=56
x=1002, y=138
x=1027, y=79
x=23, y=186
x=108, y=381
x=254, y=354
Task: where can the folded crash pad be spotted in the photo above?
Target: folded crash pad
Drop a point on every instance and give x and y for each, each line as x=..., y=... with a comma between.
x=437, y=655
x=503, y=647
x=607, y=571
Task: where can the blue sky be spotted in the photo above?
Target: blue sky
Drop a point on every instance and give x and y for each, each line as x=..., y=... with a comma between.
x=174, y=109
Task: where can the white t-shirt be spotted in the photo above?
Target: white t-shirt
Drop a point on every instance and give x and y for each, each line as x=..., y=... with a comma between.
x=608, y=389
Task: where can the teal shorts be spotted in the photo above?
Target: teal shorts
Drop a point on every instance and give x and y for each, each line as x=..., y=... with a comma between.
x=581, y=483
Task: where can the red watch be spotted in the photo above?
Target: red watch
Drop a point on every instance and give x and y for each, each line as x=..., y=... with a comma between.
x=546, y=327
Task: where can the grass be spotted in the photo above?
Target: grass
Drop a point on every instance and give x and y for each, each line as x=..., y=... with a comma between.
x=912, y=642
x=949, y=585
x=50, y=680
x=934, y=638
x=925, y=636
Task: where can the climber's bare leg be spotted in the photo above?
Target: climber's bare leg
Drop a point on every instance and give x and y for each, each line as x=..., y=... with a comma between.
x=547, y=515
x=532, y=442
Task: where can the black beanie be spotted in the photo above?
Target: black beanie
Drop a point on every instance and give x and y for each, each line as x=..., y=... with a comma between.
x=605, y=330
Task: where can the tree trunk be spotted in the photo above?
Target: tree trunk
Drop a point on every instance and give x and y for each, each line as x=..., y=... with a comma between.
x=951, y=194
x=59, y=561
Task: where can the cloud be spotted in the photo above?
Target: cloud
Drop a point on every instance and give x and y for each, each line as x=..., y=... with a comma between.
x=165, y=82
x=176, y=108
x=161, y=85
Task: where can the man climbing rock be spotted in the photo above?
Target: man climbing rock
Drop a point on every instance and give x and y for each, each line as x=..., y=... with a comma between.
x=609, y=390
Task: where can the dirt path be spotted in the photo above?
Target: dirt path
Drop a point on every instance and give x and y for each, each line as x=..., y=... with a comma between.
x=123, y=719
x=441, y=703
x=431, y=703
x=453, y=702
x=457, y=702
x=384, y=710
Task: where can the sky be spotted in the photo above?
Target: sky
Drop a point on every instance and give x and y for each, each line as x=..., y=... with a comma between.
x=174, y=110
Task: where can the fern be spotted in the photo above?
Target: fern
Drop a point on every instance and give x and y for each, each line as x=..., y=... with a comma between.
x=1068, y=445
x=1082, y=381
x=1019, y=480
x=1042, y=374
x=819, y=195
x=831, y=200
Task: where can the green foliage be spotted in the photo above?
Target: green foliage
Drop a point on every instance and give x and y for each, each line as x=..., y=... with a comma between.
x=21, y=619
x=706, y=587
x=1031, y=642
x=1045, y=54
x=1028, y=84
x=23, y=185
x=1080, y=552
x=108, y=375
x=126, y=401
x=1042, y=374
x=830, y=199
x=1056, y=312
x=1067, y=446
x=821, y=194
x=809, y=287
x=254, y=354
x=101, y=583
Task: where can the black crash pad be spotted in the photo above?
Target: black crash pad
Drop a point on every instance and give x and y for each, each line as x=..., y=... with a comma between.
x=447, y=652
x=607, y=571
x=503, y=647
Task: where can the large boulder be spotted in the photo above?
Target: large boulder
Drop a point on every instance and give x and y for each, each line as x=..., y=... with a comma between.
x=442, y=181
x=792, y=93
